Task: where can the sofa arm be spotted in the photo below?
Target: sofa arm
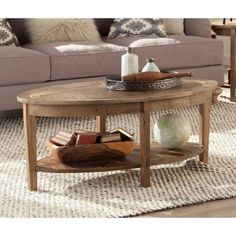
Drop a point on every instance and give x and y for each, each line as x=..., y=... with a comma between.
x=197, y=27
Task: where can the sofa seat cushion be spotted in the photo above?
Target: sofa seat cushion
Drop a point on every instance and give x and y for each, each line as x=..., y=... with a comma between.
x=81, y=59
x=21, y=66
x=185, y=52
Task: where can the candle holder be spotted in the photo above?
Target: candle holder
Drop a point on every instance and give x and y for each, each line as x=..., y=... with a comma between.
x=224, y=20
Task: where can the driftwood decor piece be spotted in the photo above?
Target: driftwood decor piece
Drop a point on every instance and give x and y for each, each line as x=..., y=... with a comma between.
x=153, y=76
x=91, y=152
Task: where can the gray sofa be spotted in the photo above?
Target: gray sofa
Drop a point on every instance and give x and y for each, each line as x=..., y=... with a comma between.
x=32, y=66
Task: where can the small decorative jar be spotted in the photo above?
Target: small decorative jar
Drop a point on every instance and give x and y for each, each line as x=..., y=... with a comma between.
x=150, y=66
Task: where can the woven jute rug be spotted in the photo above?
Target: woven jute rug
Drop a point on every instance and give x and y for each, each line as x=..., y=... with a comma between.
x=117, y=193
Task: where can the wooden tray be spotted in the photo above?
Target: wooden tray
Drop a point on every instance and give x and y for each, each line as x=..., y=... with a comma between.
x=114, y=82
x=91, y=152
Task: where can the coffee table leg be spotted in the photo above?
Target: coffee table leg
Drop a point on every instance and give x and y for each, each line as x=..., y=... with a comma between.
x=100, y=123
x=145, y=148
x=204, y=130
x=30, y=145
x=215, y=95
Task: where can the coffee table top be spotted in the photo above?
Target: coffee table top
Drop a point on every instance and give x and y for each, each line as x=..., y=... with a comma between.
x=94, y=92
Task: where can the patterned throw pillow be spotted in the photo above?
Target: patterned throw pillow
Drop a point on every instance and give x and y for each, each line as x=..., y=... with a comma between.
x=7, y=37
x=123, y=27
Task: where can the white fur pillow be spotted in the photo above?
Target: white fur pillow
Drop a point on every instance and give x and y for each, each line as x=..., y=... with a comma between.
x=51, y=30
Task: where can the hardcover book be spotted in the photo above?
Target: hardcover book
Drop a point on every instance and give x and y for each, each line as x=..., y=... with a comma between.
x=59, y=142
x=86, y=138
x=64, y=139
x=125, y=136
x=110, y=138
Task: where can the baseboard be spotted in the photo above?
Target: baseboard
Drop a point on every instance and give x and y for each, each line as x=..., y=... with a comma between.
x=11, y=113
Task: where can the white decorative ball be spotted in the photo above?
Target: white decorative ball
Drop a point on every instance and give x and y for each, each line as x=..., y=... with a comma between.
x=172, y=130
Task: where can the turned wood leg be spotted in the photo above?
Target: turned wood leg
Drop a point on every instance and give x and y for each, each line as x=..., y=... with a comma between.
x=30, y=146
x=232, y=66
x=145, y=148
x=215, y=95
x=204, y=130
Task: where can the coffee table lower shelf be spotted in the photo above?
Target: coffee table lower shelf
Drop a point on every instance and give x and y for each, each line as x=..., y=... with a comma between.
x=158, y=156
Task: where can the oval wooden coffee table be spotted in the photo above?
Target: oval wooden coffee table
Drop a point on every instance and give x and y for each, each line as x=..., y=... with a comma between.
x=90, y=98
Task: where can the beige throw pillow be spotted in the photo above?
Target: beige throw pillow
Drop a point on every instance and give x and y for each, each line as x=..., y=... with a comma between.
x=174, y=25
x=51, y=30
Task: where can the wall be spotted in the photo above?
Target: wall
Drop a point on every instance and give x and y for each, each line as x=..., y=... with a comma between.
x=226, y=42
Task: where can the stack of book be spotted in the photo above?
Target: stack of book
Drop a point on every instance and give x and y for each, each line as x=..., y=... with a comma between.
x=81, y=137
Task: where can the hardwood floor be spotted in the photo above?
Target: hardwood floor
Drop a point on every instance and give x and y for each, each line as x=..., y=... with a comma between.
x=219, y=208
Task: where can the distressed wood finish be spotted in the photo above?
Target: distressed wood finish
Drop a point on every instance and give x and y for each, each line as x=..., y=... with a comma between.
x=30, y=147
x=101, y=124
x=91, y=98
x=158, y=156
x=94, y=94
x=145, y=145
x=82, y=110
x=215, y=95
x=204, y=130
x=229, y=29
x=173, y=103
